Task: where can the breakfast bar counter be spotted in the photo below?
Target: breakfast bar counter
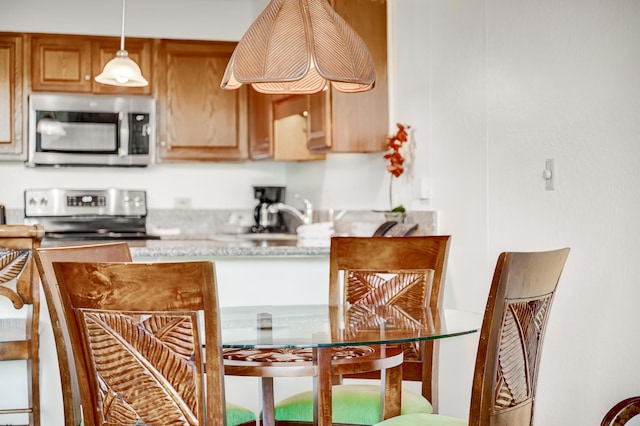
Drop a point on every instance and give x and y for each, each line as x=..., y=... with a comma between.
x=231, y=247
x=213, y=246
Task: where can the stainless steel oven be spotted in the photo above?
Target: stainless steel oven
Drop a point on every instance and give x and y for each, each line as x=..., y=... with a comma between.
x=88, y=214
x=83, y=130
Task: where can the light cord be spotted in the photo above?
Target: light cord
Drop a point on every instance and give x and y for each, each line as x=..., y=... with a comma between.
x=122, y=34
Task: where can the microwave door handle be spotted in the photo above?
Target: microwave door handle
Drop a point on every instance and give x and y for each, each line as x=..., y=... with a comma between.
x=123, y=149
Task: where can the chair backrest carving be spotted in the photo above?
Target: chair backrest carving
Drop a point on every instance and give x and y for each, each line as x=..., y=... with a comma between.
x=404, y=272
x=511, y=337
x=16, y=245
x=136, y=334
x=104, y=252
x=13, y=262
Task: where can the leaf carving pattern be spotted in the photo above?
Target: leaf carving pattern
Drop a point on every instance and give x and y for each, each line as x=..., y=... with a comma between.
x=401, y=292
x=141, y=377
x=522, y=327
x=407, y=289
x=12, y=264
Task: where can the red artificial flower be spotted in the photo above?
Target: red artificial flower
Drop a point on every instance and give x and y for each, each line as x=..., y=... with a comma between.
x=394, y=143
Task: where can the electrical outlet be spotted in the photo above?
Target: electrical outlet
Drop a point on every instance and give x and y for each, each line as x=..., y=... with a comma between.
x=182, y=203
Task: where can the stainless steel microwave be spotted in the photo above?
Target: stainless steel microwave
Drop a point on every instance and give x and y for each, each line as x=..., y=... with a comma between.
x=84, y=130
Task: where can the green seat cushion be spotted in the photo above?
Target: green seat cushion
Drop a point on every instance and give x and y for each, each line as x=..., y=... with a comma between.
x=237, y=415
x=422, y=420
x=351, y=404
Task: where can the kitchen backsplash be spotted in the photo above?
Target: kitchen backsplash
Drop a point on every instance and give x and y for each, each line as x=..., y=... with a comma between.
x=190, y=221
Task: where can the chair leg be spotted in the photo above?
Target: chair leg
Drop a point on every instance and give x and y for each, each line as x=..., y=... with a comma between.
x=34, y=390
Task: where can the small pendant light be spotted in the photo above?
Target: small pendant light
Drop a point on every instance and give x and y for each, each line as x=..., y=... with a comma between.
x=299, y=47
x=122, y=70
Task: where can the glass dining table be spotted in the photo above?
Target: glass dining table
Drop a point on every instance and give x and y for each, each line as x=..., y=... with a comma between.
x=324, y=341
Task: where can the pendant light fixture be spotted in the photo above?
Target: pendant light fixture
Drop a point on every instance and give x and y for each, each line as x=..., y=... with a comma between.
x=299, y=47
x=122, y=70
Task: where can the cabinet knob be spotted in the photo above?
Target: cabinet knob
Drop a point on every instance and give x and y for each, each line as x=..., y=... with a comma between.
x=87, y=77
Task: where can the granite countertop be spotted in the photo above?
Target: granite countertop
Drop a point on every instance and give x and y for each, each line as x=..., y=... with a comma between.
x=221, y=248
x=209, y=246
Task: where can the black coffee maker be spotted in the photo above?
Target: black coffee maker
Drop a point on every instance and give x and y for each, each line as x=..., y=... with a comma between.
x=265, y=221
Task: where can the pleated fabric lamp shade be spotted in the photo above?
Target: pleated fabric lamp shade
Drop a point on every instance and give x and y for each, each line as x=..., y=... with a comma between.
x=298, y=47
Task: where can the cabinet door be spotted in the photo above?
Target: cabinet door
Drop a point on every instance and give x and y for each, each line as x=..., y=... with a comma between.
x=320, y=135
x=139, y=50
x=199, y=120
x=61, y=63
x=290, y=129
x=260, y=138
x=11, y=97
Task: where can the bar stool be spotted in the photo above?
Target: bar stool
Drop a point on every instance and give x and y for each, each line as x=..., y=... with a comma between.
x=19, y=336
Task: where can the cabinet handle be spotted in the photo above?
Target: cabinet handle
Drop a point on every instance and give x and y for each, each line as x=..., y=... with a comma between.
x=87, y=77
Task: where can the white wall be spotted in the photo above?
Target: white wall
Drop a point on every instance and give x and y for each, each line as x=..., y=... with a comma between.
x=512, y=83
x=563, y=84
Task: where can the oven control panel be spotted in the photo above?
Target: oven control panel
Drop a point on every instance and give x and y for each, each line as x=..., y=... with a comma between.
x=112, y=202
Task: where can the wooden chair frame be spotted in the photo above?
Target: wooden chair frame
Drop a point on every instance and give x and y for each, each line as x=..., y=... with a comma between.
x=369, y=256
x=20, y=241
x=622, y=412
x=397, y=254
x=511, y=337
x=93, y=290
x=44, y=257
x=515, y=319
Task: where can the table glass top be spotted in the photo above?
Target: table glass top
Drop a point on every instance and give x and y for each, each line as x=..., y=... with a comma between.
x=308, y=326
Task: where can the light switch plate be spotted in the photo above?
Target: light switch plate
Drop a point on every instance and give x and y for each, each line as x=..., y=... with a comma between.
x=549, y=174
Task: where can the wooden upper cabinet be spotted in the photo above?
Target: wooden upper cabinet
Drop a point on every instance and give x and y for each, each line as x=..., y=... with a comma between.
x=68, y=63
x=61, y=63
x=291, y=129
x=260, y=126
x=198, y=120
x=356, y=122
x=279, y=127
x=320, y=128
x=11, y=97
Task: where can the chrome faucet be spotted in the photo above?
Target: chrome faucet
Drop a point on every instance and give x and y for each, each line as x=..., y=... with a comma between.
x=305, y=216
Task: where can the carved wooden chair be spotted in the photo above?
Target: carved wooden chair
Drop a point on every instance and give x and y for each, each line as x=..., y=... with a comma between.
x=403, y=272
x=515, y=319
x=136, y=331
x=622, y=412
x=19, y=337
x=107, y=252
